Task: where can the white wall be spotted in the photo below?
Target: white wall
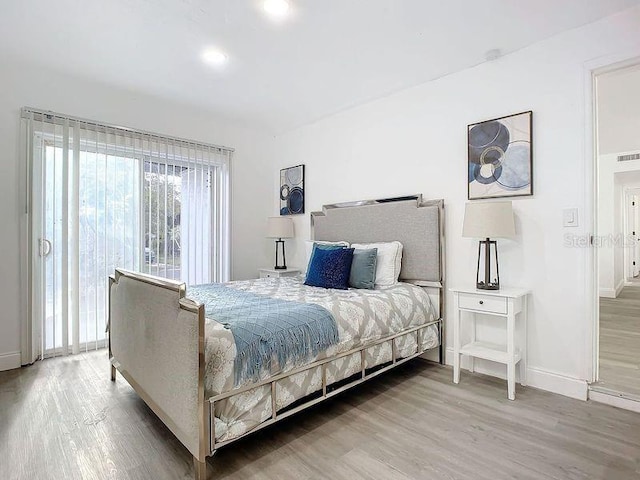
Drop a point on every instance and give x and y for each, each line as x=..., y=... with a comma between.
x=24, y=85
x=414, y=141
x=619, y=111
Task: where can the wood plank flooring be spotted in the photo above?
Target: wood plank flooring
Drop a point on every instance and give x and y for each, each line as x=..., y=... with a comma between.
x=620, y=342
x=64, y=419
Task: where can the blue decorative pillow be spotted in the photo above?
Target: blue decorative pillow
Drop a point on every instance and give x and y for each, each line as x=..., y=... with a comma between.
x=363, y=269
x=323, y=246
x=329, y=268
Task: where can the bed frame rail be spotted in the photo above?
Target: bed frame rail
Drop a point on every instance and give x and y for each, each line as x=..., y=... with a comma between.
x=364, y=376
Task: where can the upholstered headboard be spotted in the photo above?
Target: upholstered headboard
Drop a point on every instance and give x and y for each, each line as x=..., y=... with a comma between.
x=415, y=223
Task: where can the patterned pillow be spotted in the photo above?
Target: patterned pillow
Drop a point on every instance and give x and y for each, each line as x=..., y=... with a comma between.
x=308, y=248
x=329, y=268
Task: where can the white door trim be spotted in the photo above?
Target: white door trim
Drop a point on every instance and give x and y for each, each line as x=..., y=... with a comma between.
x=630, y=224
x=628, y=229
x=591, y=70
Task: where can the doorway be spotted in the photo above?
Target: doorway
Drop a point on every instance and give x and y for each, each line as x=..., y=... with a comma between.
x=618, y=228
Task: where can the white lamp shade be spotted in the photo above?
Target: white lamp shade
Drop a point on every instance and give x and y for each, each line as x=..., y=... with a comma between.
x=279, y=227
x=489, y=220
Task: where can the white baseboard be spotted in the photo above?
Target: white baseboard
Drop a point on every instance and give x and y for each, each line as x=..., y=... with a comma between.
x=619, y=287
x=9, y=361
x=537, y=378
x=432, y=355
x=607, y=293
x=612, y=292
x=557, y=383
x=614, y=400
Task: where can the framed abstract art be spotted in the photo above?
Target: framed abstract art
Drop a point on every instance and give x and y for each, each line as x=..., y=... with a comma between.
x=292, y=190
x=500, y=158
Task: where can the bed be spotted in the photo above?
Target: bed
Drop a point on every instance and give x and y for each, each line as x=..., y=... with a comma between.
x=182, y=363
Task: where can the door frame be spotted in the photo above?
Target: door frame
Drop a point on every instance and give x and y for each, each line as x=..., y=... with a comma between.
x=29, y=340
x=591, y=70
x=628, y=195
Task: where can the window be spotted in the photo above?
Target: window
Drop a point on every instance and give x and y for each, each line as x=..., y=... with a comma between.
x=105, y=197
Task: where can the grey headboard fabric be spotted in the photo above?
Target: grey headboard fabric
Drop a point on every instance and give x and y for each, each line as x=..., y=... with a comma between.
x=415, y=223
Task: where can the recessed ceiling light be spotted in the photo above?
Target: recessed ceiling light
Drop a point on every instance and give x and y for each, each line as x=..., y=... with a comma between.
x=214, y=56
x=276, y=8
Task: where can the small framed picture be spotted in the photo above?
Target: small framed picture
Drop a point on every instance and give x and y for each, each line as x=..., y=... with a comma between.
x=500, y=157
x=292, y=190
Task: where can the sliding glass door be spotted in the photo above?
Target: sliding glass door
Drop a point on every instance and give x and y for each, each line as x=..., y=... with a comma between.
x=90, y=226
x=105, y=198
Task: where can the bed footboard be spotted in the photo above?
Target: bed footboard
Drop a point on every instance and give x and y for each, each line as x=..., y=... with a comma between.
x=156, y=341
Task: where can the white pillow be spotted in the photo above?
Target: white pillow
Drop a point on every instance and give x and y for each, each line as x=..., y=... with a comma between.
x=389, y=261
x=308, y=245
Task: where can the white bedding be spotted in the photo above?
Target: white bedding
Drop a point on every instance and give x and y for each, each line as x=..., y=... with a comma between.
x=362, y=316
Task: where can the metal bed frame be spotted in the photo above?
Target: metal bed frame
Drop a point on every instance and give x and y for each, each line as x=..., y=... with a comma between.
x=185, y=410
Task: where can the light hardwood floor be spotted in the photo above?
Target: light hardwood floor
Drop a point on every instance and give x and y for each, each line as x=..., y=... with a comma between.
x=620, y=342
x=64, y=419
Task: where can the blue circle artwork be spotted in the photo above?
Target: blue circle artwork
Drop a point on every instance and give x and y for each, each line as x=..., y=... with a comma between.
x=489, y=174
x=499, y=157
x=295, y=201
x=292, y=190
x=515, y=166
x=492, y=136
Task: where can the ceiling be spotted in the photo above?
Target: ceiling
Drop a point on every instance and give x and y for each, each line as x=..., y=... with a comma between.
x=330, y=55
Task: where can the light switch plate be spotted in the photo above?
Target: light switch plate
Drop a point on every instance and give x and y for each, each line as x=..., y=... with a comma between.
x=570, y=217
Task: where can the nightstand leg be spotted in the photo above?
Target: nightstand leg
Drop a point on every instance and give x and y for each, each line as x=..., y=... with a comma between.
x=523, y=344
x=511, y=381
x=511, y=364
x=473, y=339
x=456, y=344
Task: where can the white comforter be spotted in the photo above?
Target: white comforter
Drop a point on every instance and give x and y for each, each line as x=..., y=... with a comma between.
x=362, y=316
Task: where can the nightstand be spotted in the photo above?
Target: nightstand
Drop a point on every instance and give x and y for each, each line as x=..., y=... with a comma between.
x=507, y=306
x=273, y=273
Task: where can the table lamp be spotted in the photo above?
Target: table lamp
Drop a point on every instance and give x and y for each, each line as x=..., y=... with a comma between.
x=279, y=228
x=488, y=220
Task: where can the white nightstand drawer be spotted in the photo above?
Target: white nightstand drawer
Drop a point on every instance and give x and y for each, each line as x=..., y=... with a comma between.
x=273, y=273
x=483, y=303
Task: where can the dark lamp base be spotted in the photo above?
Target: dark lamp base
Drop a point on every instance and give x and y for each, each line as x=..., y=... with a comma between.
x=283, y=265
x=489, y=286
x=489, y=279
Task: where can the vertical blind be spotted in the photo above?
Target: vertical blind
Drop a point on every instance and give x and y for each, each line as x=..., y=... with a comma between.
x=103, y=197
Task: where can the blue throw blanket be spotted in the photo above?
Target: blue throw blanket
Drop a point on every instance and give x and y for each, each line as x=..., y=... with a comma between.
x=265, y=328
